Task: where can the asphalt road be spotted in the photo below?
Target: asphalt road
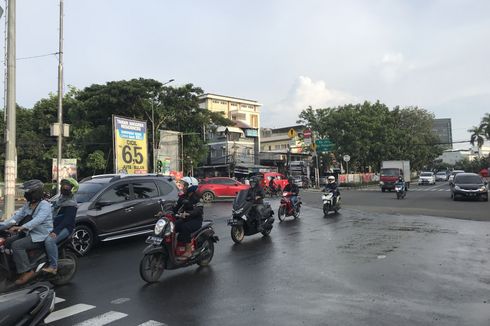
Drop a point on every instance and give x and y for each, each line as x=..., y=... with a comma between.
x=364, y=266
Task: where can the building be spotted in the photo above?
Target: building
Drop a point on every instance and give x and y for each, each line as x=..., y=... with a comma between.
x=232, y=150
x=452, y=156
x=442, y=128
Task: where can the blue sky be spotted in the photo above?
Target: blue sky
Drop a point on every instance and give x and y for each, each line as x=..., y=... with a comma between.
x=285, y=54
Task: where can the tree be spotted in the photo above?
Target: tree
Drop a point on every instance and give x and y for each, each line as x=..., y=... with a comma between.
x=482, y=132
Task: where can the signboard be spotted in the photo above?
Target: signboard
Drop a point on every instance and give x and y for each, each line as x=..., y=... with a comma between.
x=251, y=133
x=130, y=146
x=346, y=158
x=307, y=133
x=292, y=133
x=323, y=145
x=68, y=168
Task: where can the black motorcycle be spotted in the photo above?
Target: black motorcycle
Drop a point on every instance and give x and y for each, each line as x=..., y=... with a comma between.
x=67, y=263
x=164, y=249
x=27, y=307
x=244, y=222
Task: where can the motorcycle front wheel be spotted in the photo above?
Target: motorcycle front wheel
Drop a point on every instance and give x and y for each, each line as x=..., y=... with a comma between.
x=237, y=233
x=281, y=213
x=208, y=252
x=325, y=210
x=398, y=195
x=152, y=267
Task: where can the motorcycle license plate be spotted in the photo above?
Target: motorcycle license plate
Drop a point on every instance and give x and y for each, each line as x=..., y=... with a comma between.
x=154, y=240
x=232, y=222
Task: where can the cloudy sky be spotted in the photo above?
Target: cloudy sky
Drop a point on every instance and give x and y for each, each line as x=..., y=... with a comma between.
x=285, y=54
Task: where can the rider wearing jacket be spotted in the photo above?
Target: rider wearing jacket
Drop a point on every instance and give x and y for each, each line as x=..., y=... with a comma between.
x=190, y=208
x=332, y=186
x=256, y=195
x=293, y=189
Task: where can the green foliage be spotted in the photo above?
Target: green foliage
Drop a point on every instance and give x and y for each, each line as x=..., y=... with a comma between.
x=481, y=132
x=96, y=161
x=474, y=165
x=371, y=133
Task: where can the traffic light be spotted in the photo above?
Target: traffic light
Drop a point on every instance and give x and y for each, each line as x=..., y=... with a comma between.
x=159, y=166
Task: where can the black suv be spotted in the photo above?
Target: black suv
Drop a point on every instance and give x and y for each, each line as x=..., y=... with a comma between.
x=117, y=206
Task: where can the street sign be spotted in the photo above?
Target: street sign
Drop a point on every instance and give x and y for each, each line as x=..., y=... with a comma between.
x=307, y=141
x=324, y=145
x=292, y=133
x=307, y=133
x=346, y=158
x=313, y=147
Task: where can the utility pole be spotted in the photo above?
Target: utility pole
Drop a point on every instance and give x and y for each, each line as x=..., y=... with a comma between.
x=60, y=98
x=10, y=130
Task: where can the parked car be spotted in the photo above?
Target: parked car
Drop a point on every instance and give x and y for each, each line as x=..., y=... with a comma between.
x=469, y=185
x=442, y=176
x=117, y=206
x=427, y=178
x=219, y=187
x=453, y=173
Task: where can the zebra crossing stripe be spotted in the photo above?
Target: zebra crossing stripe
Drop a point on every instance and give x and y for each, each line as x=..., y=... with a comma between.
x=152, y=323
x=103, y=319
x=58, y=300
x=67, y=312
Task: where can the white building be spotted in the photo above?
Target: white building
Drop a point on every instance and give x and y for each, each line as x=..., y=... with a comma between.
x=452, y=156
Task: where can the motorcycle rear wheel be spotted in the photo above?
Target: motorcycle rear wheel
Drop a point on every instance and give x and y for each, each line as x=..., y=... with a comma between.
x=237, y=233
x=65, y=278
x=152, y=267
x=208, y=253
x=281, y=213
x=296, y=211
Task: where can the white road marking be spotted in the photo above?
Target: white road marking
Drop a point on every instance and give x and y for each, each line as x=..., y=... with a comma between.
x=58, y=300
x=152, y=323
x=103, y=319
x=67, y=312
x=120, y=300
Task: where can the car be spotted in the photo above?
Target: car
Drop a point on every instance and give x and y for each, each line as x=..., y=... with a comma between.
x=280, y=179
x=219, y=187
x=442, y=176
x=112, y=206
x=469, y=185
x=427, y=178
x=453, y=173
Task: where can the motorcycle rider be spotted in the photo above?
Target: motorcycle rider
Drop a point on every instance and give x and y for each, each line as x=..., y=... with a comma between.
x=272, y=185
x=36, y=229
x=331, y=185
x=293, y=189
x=64, y=212
x=402, y=181
x=191, y=212
x=256, y=195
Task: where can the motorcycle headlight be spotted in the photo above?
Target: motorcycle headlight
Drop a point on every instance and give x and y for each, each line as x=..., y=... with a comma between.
x=160, y=226
x=381, y=183
x=170, y=229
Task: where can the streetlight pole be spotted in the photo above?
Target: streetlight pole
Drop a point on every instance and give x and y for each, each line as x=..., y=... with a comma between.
x=60, y=98
x=153, y=129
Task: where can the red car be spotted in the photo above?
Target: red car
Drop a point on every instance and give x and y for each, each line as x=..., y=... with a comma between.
x=279, y=179
x=219, y=187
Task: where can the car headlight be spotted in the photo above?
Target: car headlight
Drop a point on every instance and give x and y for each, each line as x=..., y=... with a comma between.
x=483, y=188
x=457, y=188
x=160, y=226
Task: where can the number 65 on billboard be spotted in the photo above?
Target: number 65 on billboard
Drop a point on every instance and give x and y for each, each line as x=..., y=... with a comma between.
x=130, y=146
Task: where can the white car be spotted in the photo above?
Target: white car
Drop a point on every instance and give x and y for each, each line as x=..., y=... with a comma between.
x=427, y=178
x=451, y=176
x=441, y=176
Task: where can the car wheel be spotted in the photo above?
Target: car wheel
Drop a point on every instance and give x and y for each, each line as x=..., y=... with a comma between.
x=82, y=239
x=207, y=196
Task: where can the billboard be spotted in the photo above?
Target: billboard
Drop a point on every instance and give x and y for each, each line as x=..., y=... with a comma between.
x=68, y=168
x=130, y=146
x=169, y=155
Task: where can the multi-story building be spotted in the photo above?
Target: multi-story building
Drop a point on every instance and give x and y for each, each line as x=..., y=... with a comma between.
x=233, y=149
x=442, y=128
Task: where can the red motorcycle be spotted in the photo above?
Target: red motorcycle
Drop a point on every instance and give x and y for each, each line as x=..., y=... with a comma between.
x=286, y=208
x=164, y=251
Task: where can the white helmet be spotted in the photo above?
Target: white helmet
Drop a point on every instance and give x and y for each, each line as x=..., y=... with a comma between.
x=191, y=181
x=331, y=178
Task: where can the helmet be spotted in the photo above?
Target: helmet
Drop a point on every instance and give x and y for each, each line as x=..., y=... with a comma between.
x=190, y=182
x=253, y=182
x=331, y=179
x=290, y=180
x=33, y=190
x=69, y=186
x=400, y=178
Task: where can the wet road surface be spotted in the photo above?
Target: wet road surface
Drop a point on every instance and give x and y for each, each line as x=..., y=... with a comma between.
x=354, y=268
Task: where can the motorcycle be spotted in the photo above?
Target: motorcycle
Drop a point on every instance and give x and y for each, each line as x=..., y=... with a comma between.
x=164, y=250
x=244, y=222
x=286, y=207
x=28, y=306
x=67, y=263
x=400, y=190
x=328, y=203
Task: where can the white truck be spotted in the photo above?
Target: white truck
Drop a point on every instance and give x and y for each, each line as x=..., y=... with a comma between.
x=391, y=171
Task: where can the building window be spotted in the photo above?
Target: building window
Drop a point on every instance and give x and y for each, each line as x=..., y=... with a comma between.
x=277, y=146
x=270, y=147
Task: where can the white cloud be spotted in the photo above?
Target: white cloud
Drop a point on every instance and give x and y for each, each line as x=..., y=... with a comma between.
x=393, y=67
x=305, y=92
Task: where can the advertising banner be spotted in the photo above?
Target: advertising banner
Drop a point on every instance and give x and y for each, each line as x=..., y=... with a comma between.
x=68, y=168
x=130, y=146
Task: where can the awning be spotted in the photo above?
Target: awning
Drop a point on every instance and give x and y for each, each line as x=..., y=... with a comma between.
x=230, y=129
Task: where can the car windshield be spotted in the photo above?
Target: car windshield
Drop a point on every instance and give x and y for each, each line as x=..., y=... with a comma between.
x=390, y=172
x=87, y=191
x=426, y=174
x=468, y=179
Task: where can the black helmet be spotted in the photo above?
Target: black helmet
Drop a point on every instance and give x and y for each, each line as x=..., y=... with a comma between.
x=33, y=190
x=253, y=182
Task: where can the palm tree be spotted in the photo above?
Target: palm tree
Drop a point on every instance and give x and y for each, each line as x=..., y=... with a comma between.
x=477, y=135
x=485, y=125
